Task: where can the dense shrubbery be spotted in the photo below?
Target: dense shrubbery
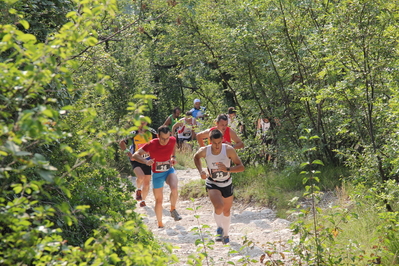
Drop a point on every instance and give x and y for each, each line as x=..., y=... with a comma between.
x=59, y=201
x=75, y=76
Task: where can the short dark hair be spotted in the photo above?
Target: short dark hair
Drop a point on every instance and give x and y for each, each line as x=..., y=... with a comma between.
x=222, y=117
x=231, y=110
x=163, y=129
x=215, y=134
x=176, y=109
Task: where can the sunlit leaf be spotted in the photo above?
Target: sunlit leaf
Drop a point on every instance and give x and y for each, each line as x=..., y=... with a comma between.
x=25, y=24
x=318, y=162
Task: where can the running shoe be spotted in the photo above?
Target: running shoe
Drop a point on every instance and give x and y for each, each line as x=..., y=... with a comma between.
x=138, y=194
x=226, y=240
x=142, y=204
x=175, y=215
x=219, y=234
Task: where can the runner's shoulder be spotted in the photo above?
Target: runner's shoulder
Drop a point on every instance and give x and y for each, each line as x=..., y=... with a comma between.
x=153, y=131
x=205, y=131
x=230, y=148
x=202, y=150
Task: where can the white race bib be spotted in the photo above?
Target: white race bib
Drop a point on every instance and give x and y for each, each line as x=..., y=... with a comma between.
x=216, y=174
x=145, y=155
x=162, y=166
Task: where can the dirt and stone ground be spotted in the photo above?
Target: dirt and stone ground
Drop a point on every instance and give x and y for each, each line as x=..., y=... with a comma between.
x=255, y=224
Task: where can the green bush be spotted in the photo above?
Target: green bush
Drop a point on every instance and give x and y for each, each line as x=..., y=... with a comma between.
x=59, y=201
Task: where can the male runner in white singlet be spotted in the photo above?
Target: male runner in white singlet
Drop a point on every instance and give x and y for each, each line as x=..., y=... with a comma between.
x=218, y=180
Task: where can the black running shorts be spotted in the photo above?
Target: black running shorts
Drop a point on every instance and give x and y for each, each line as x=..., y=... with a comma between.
x=146, y=168
x=226, y=191
x=181, y=140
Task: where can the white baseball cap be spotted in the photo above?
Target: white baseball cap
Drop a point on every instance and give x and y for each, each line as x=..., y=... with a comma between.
x=197, y=101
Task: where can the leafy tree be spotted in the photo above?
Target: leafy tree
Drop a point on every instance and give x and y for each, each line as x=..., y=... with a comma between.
x=59, y=202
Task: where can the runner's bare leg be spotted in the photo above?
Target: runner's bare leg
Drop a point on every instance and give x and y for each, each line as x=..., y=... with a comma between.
x=140, y=177
x=158, y=195
x=217, y=200
x=172, y=181
x=142, y=182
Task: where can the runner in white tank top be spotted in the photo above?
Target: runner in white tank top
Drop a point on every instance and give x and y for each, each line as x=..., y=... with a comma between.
x=218, y=157
x=216, y=176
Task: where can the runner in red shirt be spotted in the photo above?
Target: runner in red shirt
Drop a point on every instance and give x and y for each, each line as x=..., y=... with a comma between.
x=162, y=158
x=229, y=135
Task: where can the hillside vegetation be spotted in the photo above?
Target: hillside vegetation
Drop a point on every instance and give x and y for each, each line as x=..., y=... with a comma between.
x=76, y=75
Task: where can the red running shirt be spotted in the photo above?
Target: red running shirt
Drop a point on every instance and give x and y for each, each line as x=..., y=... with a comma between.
x=160, y=154
x=226, y=134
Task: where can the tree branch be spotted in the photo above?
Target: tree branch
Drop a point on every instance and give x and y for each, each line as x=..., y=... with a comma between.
x=108, y=38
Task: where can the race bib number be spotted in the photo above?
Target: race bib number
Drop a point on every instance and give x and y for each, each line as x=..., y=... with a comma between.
x=145, y=155
x=216, y=174
x=162, y=166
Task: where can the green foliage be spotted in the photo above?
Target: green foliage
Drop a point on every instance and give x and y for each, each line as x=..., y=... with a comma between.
x=185, y=157
x=41, y=18
x=245, y=260
x=203, y=243
x=59, y=202
x=329, y=67
x=266, y=186
x=334, y=237
x=193, y=189
x=70, y=73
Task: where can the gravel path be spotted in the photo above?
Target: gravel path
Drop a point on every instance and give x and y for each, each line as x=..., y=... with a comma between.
x=255, y=224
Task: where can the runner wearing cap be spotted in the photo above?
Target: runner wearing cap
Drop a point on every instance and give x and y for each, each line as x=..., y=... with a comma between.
x=198, y=112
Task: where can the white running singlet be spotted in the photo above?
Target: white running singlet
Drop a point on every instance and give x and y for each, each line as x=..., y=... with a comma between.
x=185, y=131
x=265, y=125
x=212, y=163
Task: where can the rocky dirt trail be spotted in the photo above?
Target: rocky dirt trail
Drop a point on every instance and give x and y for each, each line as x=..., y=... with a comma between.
x=258, y=225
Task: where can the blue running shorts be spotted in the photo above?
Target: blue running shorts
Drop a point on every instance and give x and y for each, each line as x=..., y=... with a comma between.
x=158, y=179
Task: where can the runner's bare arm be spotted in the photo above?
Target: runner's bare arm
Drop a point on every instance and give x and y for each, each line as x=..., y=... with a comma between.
x=122, y=145
x=167, y=121
x=197, y=160
x=201, y=136
x=138, y=156
x=238, y=166
x=176, y=126
x=173, y=156
x=238, y=144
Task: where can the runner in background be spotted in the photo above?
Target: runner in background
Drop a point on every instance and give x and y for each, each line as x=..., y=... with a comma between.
x=138, y=138
x=162, y=152
x=173, y=118
x=185, y=131
x=234, y=122
x=198, y=111
x=229, y=135
x=218, y=157
x=265, y=131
